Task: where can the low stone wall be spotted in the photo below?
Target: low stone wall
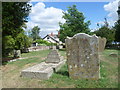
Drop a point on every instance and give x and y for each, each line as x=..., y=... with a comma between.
x=38, y=48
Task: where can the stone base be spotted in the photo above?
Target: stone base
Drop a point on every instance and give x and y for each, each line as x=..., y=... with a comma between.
x=42, y=71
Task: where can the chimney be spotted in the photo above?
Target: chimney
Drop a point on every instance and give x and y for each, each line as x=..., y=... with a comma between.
x=51, y=34
x=58, y=34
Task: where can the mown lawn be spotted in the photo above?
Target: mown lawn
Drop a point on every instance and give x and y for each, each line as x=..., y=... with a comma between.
x=11, y=73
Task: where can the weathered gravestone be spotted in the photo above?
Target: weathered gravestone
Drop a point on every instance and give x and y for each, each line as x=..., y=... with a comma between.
x=17, y=53
x=53, y=57
x=82, y=56
x=102, y=43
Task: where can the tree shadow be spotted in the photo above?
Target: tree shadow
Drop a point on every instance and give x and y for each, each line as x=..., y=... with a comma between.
x=5, y=60
x=64, y=73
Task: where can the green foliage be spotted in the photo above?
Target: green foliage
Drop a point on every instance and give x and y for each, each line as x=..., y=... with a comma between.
x=8, y=45
x=9, y=42
x=14, y=15
x=43, y=42
x=117, y=33
x=35, y=33
x=74, y=23
x=22, y=41
x=106, y=32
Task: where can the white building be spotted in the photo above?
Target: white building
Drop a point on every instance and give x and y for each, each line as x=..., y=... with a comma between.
x=52, y=38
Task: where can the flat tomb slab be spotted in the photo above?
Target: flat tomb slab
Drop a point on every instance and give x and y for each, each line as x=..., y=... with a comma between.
x=39, y=71
x=42, y=71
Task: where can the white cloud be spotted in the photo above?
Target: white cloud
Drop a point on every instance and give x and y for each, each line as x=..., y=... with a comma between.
x=46, y=18
x=112, y=8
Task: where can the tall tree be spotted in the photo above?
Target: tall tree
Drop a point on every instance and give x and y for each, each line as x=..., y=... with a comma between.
x=74, y=23
x=35, y=33
x=14, y=14
x=108, y=33
x=117, y=33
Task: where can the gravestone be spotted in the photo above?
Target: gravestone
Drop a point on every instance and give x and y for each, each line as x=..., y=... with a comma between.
x=102, y=43
x=17, y=53
x=53, y=57
x=82, y=56
x=45, y=69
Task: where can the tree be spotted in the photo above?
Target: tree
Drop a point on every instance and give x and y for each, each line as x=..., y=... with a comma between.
x=74, y=23
x=35, y=33
x=14, y=14
x=9, y=44
x=22, y=41
x=108, y=33
x=117, y=33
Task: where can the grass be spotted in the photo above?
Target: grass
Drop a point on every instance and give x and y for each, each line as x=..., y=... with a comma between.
x=11, y=73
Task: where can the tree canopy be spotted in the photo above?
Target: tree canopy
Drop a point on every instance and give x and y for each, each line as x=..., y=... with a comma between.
x=117, y=33
x=75, y=23
x=14, y=15
x=108, y=33
x=35, y=33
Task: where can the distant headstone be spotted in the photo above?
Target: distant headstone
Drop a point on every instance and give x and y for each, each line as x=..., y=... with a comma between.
x=17, y=53
x=102, y=43
x=53, y=57
x=113, y=54
x=82, y=56
x=25, y=50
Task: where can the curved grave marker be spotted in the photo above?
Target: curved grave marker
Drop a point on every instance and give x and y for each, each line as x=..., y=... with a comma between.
x=82, y=56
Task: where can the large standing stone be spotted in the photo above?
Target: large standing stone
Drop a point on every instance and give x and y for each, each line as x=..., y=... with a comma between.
x=82, y=56
x=53, y=57
x=102, y=43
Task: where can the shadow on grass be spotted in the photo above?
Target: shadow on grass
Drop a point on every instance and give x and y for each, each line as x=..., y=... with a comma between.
x=63, y=49
x=64, y=73
x=5, y=60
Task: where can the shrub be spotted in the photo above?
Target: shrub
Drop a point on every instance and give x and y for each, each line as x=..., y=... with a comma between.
x=43, y=42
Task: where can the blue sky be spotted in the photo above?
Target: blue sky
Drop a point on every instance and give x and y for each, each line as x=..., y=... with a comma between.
x=46, y=15
x=93, y=11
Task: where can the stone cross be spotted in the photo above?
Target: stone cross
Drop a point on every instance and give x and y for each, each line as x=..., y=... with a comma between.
x=82, y=56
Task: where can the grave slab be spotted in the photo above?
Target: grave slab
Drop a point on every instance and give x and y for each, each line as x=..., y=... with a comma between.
x=42, y=71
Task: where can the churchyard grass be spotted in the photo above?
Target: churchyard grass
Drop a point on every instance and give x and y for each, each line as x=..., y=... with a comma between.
x=11, y=73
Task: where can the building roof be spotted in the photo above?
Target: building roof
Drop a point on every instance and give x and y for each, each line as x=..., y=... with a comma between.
x=52, y=37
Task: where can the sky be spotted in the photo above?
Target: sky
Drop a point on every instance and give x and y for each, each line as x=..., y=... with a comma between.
x=47, y=15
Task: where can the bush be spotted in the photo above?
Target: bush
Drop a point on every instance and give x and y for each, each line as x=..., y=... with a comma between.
x=43, y=42
x=22, y=41
x=8, y=45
